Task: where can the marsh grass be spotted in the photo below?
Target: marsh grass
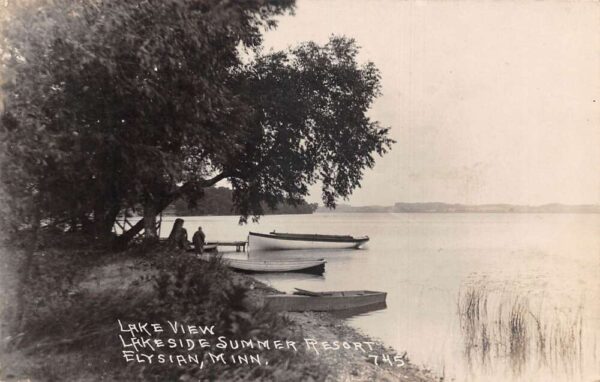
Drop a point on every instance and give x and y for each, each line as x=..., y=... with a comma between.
x=501, y=328
x=472, y=307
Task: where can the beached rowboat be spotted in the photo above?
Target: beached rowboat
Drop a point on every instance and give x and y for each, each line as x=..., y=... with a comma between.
x=303, y=300
x=315, y=266
x=278, y=241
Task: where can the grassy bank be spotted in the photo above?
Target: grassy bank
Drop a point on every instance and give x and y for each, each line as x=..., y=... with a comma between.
x=75, y=296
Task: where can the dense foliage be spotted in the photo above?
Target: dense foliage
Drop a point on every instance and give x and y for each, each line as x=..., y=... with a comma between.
x=218, y=201
x=111, y=104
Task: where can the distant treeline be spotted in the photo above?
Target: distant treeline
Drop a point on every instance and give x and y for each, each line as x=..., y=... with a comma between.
x=462, y=208
x=218, y=201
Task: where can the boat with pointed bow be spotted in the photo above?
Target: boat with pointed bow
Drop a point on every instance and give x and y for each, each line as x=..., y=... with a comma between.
x=303, y=300
x=282, y=241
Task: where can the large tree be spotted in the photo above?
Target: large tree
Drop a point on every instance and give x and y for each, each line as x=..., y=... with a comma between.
x=110, y=104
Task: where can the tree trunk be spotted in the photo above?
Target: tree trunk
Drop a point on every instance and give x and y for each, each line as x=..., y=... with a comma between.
x=104, y=219
x=87, y=225
x=150, y=212
x=163, y=203
x=109, y=220
x=140, y=225
x=25, y=270
x=97, y=220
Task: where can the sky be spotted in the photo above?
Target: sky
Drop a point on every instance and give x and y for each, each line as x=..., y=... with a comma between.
x=489, y=102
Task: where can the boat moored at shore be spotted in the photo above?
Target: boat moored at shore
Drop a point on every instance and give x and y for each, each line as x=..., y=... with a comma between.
x=281, y=241
x=303, y=300
x=313, y=266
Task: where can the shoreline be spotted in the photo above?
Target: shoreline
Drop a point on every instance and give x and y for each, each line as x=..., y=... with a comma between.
x=118, y=275
x=352, y=363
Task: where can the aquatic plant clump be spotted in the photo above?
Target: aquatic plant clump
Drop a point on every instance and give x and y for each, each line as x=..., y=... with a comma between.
x=506, y=329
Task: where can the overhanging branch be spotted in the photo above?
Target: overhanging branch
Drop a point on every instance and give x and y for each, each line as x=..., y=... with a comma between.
x=164, y=202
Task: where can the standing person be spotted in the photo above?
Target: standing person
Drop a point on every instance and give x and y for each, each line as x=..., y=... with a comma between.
x=199, y=240
x=179, y=237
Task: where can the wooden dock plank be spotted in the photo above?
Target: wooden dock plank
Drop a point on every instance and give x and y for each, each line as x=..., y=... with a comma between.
x=239, y=245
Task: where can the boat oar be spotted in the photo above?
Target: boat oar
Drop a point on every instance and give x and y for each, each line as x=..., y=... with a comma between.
x=307, y=292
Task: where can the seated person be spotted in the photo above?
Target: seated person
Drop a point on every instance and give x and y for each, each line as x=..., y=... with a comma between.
x=178, y=237
x=199, y=240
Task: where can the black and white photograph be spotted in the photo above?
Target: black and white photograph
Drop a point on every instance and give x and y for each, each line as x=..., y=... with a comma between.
x=300, y=190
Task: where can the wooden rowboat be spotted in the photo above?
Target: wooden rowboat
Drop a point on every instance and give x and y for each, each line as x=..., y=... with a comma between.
x=314, y=266
x=304, y=300
x=279, y=241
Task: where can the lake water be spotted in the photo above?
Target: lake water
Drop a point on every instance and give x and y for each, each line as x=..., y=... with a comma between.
x=533, y=280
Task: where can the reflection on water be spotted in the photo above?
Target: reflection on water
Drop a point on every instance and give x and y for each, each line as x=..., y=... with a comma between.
x=474, y=297
x=362, y=310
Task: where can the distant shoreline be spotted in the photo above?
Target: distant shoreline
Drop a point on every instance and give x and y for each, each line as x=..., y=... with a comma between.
x=467, y=208
x=449, y=213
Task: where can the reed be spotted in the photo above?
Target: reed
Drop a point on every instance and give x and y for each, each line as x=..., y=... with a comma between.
x=498, y=328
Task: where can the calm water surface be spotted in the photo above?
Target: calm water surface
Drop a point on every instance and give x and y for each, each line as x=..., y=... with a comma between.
x=535, y=275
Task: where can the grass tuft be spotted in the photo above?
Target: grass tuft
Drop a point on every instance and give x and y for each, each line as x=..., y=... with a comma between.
x=514, y=333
